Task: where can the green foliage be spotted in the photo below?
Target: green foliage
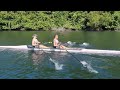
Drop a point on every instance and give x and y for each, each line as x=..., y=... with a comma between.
x=93, y=20
x=46, y=20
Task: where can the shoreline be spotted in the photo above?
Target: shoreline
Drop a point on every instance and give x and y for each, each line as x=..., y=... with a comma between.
x=60, y=30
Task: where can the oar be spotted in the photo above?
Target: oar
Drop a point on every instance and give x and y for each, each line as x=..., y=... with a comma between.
x=83, y=63
x=72, y=55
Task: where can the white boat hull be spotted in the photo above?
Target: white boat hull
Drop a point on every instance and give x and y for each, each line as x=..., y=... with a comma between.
x=72, y=50
x=17, y=47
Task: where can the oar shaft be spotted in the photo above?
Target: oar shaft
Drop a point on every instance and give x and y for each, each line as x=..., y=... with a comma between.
x=72, y=55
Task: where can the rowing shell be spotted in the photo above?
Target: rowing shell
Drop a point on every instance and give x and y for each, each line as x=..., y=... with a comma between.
x=72, y=50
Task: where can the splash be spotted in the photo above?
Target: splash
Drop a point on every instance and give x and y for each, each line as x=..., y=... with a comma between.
x=85, y=44
x=57, y=65
x=71, y=43
x=88, y=66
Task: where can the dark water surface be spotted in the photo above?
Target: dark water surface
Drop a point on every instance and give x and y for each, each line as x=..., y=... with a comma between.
x=26, y=64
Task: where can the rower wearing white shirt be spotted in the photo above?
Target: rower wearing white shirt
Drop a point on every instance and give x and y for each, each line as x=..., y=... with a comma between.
x=56, y=43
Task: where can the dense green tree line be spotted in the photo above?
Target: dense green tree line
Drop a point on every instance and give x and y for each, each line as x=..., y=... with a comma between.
x=47, y=20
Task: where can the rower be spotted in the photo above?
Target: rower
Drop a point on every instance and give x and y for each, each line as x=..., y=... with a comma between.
x=36, y=43
x=57, y=44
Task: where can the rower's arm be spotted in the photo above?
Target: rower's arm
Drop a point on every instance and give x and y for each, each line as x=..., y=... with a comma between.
x=33, y=43
x=38, y=41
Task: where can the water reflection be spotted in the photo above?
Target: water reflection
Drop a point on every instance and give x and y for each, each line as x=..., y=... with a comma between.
x=37, y=57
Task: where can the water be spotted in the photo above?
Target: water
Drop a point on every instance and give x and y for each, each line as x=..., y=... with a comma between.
x=25, y=64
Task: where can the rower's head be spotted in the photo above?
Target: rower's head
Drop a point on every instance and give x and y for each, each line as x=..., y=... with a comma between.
x=34, y=35
x=56, y=36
